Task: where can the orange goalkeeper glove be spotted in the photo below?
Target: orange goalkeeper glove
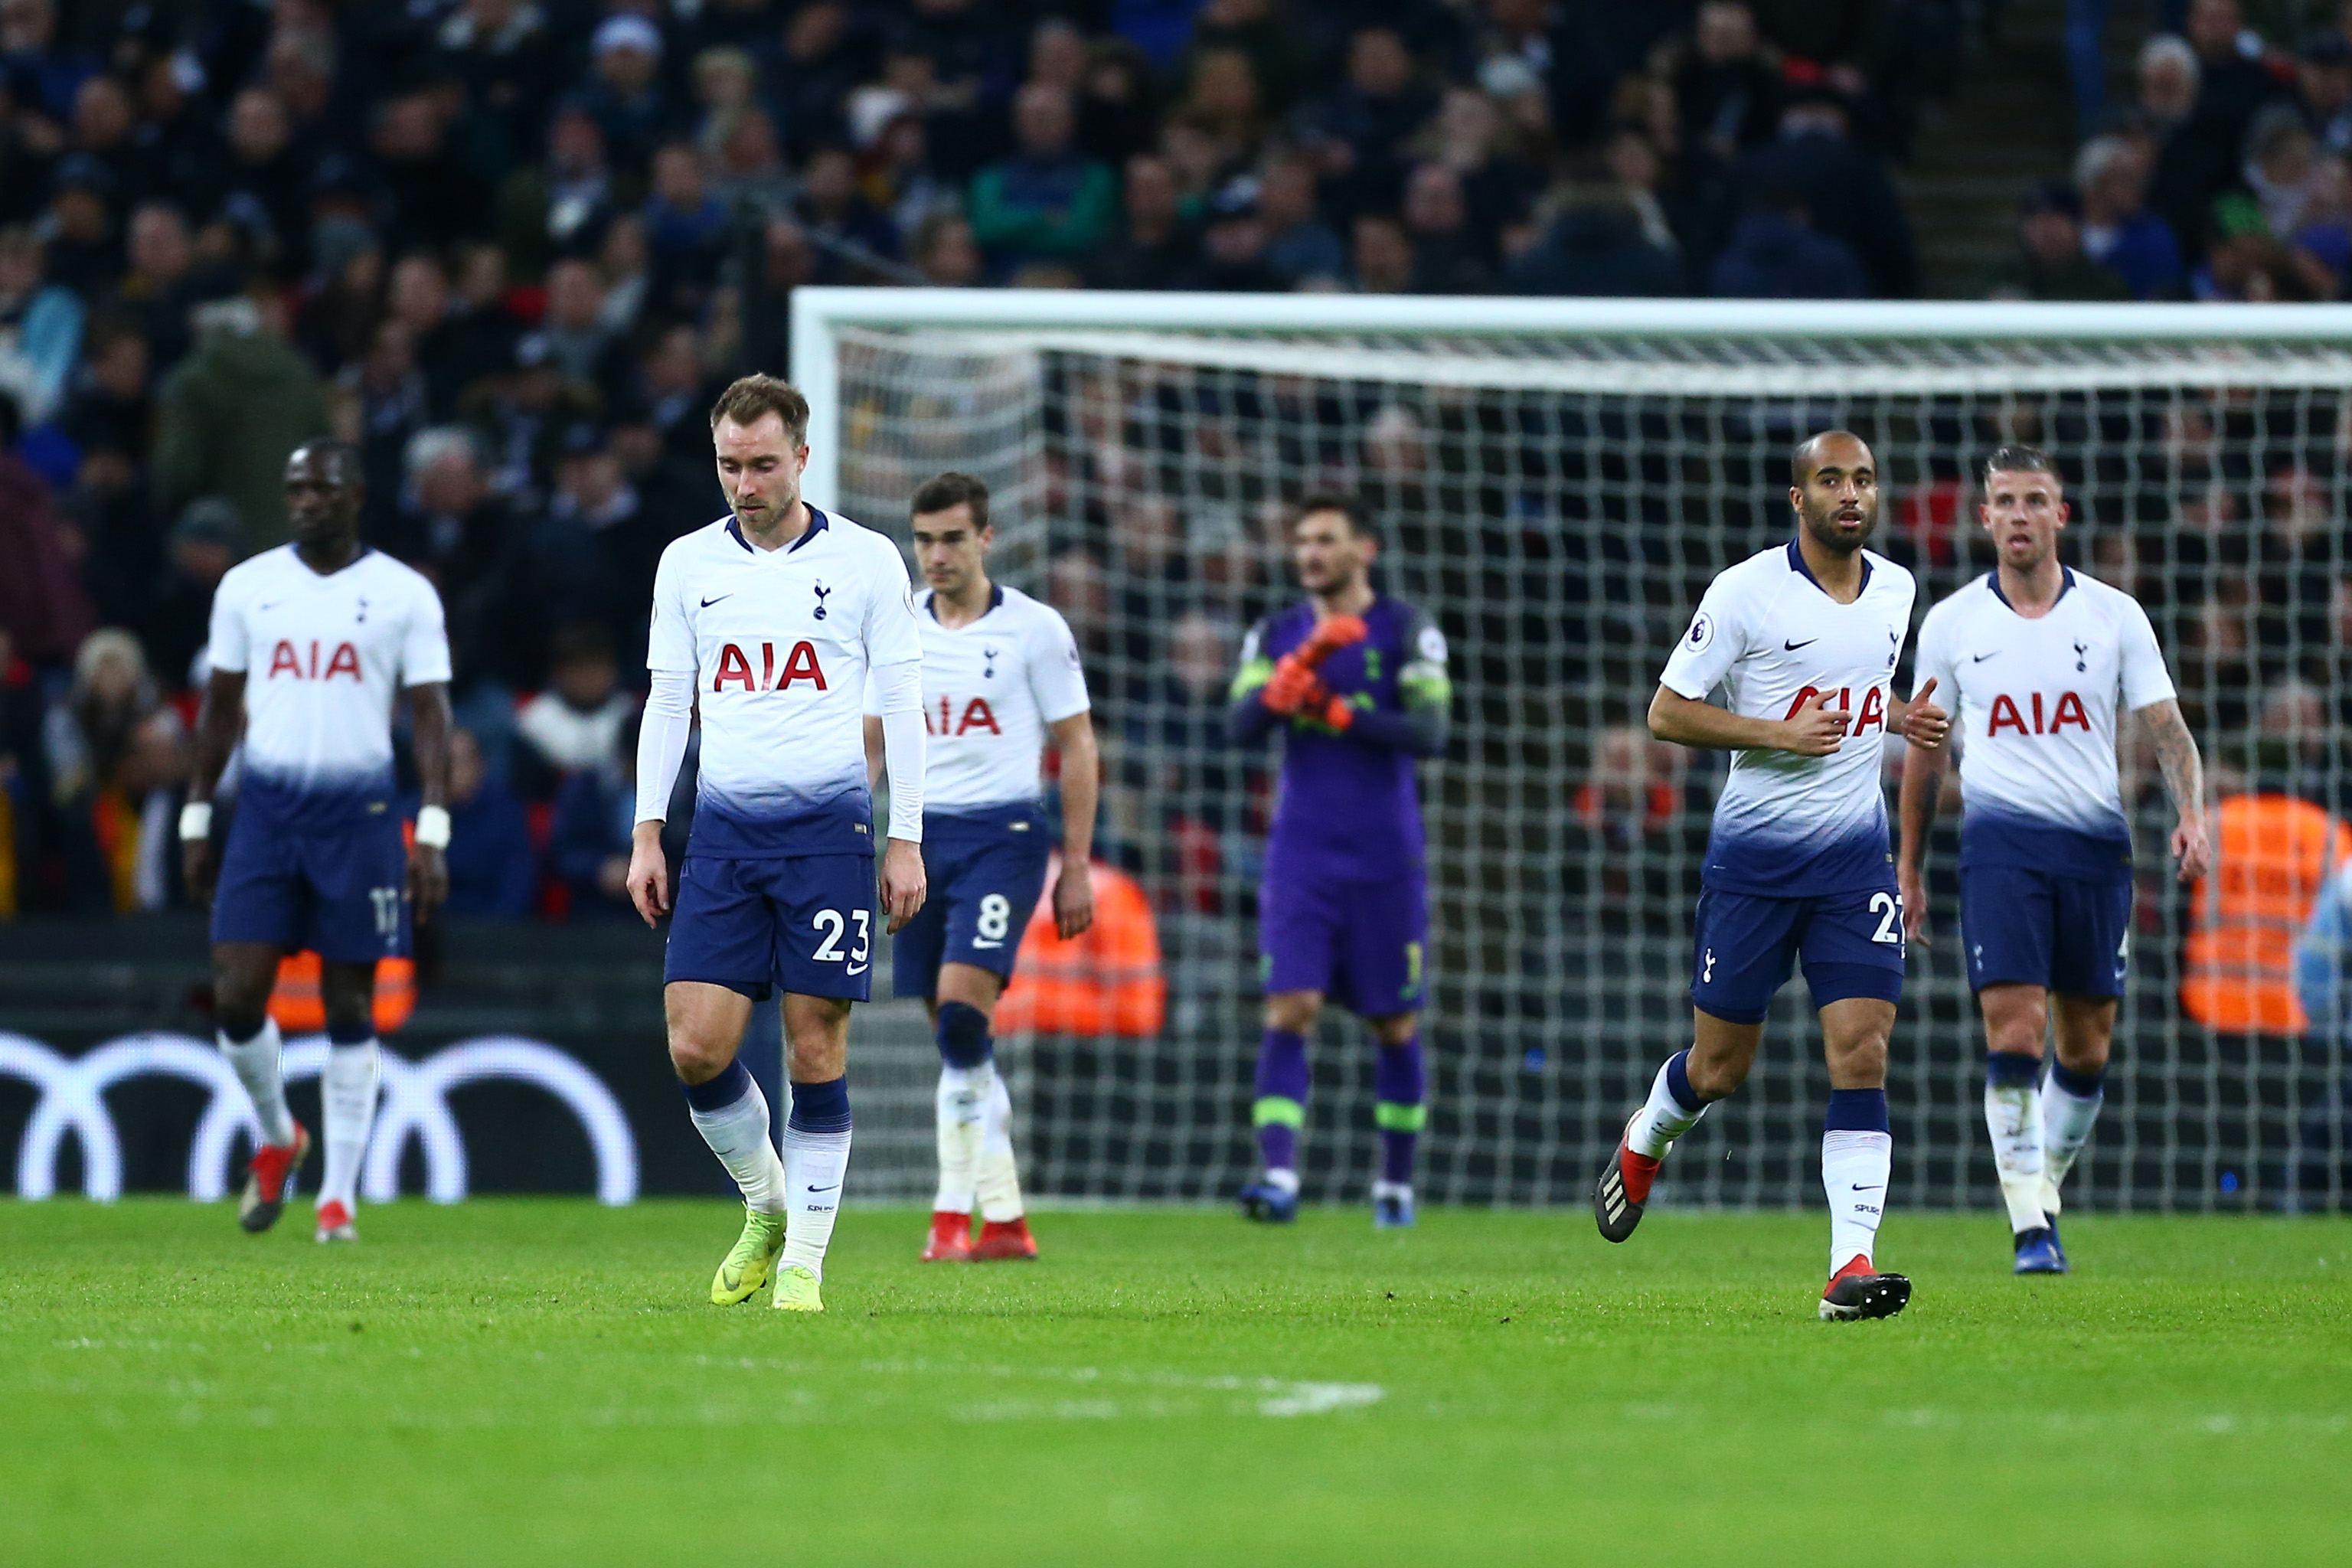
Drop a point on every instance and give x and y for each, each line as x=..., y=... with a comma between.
x=1293, y=685
x=1329, y=637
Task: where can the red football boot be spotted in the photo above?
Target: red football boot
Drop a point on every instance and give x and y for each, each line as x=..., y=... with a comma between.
x=335, y=1222
x=1004, y=1241
x=269, y=1180
x=1859, y=1290
x=951, y=1239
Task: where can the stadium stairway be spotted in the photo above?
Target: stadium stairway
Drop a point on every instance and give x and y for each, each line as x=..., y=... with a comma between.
x=2010, y=127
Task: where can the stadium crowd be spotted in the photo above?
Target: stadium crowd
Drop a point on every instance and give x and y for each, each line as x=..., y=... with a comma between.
x=510, y=248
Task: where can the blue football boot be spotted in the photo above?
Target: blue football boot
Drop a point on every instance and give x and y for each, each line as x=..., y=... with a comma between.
x=2037, y=1252
x=1392, y=1210
x=1269, y=1205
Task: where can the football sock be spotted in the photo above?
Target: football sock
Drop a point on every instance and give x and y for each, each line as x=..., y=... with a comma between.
x=347, y=1094
x=1400, y=1091
x=962, y=1035
x=1857, y=1156
x=962, y=1112
x=816, y=1160
x=999, y=1174
x=254, y=1059
x=731, y=1114
x=2070, y=1108
x=1280, y=1109
x=1673, y=1109
x=2012, y=1107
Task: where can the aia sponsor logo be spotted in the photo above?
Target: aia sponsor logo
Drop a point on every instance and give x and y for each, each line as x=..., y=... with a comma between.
x=298, y=661
x=2007, y=715
x=799, y=664
x=1873, y=706
x=977, y=715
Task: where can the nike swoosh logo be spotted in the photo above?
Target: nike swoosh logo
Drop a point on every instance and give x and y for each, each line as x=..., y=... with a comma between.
x=1879, y=1188
x=834, y=1188
x=271, y=605
x=860, y=969
x=707, y=603
x=1980, y=659
x=1793, y=647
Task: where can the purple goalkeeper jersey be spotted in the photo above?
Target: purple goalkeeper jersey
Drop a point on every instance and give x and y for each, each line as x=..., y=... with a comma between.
x=1347, y=806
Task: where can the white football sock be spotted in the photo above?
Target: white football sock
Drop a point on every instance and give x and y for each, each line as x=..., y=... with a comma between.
x=738, y=1134
x=814, y=1166
x=1854, y=1168
x=962, y=1112
x=1392, y=1190
x=1284, y=1181
x=1000, y=1175
x=2066, y=1123
x=1661, y=1119
x=347, y=1093
x=256, y=1063
x=2014, y=1118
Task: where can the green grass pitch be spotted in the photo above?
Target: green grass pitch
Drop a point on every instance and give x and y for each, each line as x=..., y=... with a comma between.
x=542, y=1382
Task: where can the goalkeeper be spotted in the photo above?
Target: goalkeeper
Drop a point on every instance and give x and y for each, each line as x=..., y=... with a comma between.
x=1357, y=682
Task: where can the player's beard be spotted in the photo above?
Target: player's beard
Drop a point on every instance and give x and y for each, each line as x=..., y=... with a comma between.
x=1830, y=535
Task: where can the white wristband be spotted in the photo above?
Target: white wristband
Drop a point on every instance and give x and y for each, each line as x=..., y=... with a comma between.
x=197, y=819
x=432, y=827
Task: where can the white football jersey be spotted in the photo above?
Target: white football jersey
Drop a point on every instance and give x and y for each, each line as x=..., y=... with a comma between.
x=323, y=658
x=1769, y=634
x=779, y=642
x=2034, y=705
x=990, y=688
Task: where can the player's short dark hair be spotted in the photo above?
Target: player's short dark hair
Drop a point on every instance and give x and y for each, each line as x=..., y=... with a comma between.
x=2016, y=458
x=943, y=491
x=751, y=398
x=1801, y=456
x=1331, y=501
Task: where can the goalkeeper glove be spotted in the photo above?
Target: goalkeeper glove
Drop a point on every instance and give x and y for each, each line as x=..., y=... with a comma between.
x=1292, y=688
x=1329, y=637
x=1334, y=711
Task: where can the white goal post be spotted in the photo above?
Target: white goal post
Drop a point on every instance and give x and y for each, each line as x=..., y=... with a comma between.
x=1555, y=481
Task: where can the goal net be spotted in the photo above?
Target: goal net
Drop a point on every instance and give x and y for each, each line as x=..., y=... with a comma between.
x=1556, y=482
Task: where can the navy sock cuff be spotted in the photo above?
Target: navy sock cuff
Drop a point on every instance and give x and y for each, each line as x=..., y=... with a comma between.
x=350, y=1034
x=1856, y=1110
x=1678, y=1083
x=2080, y=1085
x=962, y=1035
x=2012, y=1069
x=820, y=1107
x=228, y=1031
x=731, y=1085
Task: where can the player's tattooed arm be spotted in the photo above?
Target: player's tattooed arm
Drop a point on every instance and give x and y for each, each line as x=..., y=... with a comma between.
x=2184, y=780
x=1923, y=794
x=430, y=723
x=218, y=724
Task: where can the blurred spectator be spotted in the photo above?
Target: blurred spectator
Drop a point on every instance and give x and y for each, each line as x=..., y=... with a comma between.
x=1048, y=202
x=572, y=725
x=1365, y=124
x=1253, y=31
x=115, y=754
x=831, y=203
x=1596, y=246
x=589, y=840
x=578, y=341
x=1726, y=83
x=1848, y=195
x=1299, y=246
x=686, y=226
x=1383, y=257
x=83, y=249
x=947, y=254
x=1775, y=254
x=1448, y=255
x=2118, y=232
x=2282, y=167
x=1634, y=788
x=490, y=870
x=1119, y=104
x=2050, y=263
x=1154, y=249
x=204, y=543
x=264, y=184
x=40, y=329
x=1232, y=251
x=623, y=94
x=42, y=607
x=228, y=414
x=559, y=205
x=435, y=195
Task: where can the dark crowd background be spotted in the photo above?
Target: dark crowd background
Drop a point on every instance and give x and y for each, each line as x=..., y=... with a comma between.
x=512, y=247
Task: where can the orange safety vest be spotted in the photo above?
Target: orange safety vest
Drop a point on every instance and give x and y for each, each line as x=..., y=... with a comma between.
x=2272, y=853
x=300, y=1009
x=1104, y=981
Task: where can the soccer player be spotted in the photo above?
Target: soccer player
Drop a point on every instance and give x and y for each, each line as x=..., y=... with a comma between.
x=1804, y=640
x=1001, y=672
x=1355, y=681
x=312, y=643
x=771, y=621
x=2039, y=657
